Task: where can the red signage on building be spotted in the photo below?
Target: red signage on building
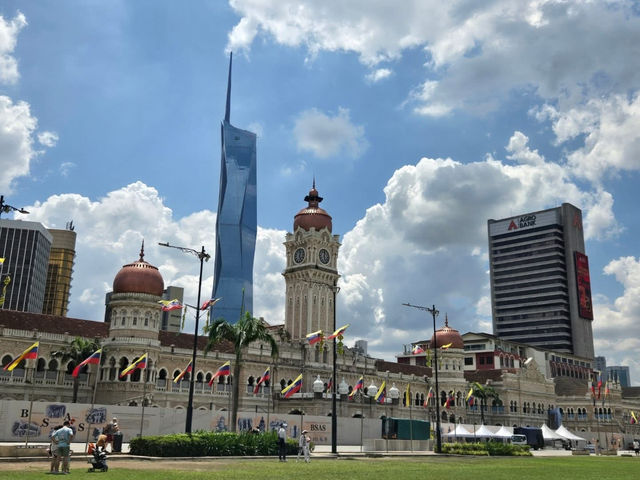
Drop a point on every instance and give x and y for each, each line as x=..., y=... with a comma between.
x=585, y=307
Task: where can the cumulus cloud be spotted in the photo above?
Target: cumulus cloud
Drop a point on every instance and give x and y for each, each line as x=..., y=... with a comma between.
x=616, y=330
x=110, y=231
x=378, y=75
x=17, y=128
x=9, y=31
x=426, y=244
x=328, y=136
x=48, y=139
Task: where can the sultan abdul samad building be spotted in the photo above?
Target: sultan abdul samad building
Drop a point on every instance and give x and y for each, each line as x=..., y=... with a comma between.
x=529, y=382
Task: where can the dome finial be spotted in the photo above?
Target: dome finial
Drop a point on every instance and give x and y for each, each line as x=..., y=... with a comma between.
x=314, y=181
x=446, y=319
x=142, y=251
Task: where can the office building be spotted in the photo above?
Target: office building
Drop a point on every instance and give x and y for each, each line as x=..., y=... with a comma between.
x=540, y=287
x=619, y=374
x=25, y=247
x=60, y=271
x=600, y=364
x=236, y=222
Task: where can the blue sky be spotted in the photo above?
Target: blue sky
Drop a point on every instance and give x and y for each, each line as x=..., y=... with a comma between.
x=418, y=123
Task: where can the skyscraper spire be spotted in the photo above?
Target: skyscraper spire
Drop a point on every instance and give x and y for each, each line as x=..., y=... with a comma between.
x=227, y=111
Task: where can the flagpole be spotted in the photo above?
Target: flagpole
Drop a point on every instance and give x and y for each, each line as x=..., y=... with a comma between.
x=93, y=400
x=144, y=390
x=35, y=364
x=410, y=420
x=269, y=399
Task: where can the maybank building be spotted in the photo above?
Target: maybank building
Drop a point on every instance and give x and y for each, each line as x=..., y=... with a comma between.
x=540, y=288
x=236, y=222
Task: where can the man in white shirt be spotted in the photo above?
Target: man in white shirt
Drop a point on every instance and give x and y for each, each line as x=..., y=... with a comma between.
x=282, y=442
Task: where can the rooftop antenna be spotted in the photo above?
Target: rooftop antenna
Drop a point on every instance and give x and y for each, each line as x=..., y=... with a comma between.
x=227, y=112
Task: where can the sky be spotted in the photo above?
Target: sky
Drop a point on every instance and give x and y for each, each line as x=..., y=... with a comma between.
x=418, y=123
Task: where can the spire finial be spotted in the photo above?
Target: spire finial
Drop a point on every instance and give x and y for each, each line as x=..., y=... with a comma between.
x=142, y=251
x=446, y=319
x=314, y=181
x=227, y=111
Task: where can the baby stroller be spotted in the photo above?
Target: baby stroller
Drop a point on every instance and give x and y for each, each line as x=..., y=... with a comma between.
x=98, y=460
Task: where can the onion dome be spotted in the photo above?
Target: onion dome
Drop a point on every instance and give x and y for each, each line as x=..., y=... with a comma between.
x=313, y=216
x=139, y=277
x=447, y=335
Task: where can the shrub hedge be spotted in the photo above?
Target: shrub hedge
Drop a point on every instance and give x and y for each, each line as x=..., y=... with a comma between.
x=209, y=444
x=488, y=448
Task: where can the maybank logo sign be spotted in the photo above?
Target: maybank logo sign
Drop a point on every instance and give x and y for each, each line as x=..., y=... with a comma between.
x=522, y=222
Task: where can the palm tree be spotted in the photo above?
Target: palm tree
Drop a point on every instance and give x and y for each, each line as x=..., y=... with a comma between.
x=246, y=331
x=484, y=392
x=76, y=351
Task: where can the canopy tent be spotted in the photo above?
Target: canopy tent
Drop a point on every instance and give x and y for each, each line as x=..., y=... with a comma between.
x=460, y=431
x=549, y=434
x=484, y=432
x=504, y=432
x=568, y=435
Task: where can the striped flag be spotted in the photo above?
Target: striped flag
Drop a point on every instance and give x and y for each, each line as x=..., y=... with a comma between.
x=209, y=303
x=338, y=333
x=265, y=376
x=314, y=337
x=168, y=305
x=181, y=375
x=139, y=363
x=380, y=396
x=31, y=352
x=417, y=350
x=358, y=386
x=469, y=395
x=292, y=388
x=225, y=369
x=94, y=359
x=330, y=385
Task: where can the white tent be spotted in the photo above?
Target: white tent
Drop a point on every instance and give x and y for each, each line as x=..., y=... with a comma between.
x=549, y=434
x=484, y=432
x=460, y=432
x=504, y=432
x=568, y=435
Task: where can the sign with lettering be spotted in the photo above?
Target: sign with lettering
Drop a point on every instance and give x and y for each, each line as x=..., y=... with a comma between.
x=583, y=281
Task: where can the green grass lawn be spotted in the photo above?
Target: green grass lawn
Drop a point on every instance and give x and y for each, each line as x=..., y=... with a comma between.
x=431, y=468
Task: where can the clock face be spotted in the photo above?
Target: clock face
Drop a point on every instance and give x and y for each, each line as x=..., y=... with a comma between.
x=298, y=255
x=324, y=256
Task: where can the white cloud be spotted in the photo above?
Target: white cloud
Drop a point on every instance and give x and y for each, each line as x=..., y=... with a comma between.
x=616, y=325
x=9, y=31
x=66, y=167
x=378, y=75
x=327, y=136
x=48, y=139
x=17, y=127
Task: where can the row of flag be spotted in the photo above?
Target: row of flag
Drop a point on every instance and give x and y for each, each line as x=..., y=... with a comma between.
x=318, y=336
x=417, y=350
x=175, y=304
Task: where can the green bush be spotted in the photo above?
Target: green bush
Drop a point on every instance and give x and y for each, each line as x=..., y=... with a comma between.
x=489, y=448
x=209, y=444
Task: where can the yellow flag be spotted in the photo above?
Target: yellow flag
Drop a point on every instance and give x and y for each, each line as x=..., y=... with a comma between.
x=407, y=395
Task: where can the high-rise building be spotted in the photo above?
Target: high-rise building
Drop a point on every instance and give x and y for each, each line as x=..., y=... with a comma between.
x=600, y=364
x=60, y=271
x=540, y=287
x=619, y=374
x=25, y=247
x=236, y=222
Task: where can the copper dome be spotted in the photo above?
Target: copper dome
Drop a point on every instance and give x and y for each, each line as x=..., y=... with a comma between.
x=313, y=215
x=447, y=335
x=139, y=277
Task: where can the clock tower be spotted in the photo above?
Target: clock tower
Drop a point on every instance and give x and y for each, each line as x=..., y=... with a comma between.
x=311, y=274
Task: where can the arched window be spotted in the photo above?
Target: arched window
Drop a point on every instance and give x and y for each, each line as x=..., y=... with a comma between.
x=122, y=364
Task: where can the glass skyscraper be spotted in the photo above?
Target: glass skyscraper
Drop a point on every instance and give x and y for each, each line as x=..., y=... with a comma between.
x=236, y=223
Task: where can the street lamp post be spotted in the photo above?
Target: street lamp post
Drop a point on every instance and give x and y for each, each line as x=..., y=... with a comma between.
x=6, y=208
x=202, y=256
x=334, y=414
x=434, y=313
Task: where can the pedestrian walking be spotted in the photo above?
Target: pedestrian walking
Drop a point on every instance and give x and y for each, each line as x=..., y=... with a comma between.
x=63, y=438
x=636, y=447
x=303, y=446
x=282, y=442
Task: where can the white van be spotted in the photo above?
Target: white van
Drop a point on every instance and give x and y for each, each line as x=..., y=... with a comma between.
x=518, y=439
